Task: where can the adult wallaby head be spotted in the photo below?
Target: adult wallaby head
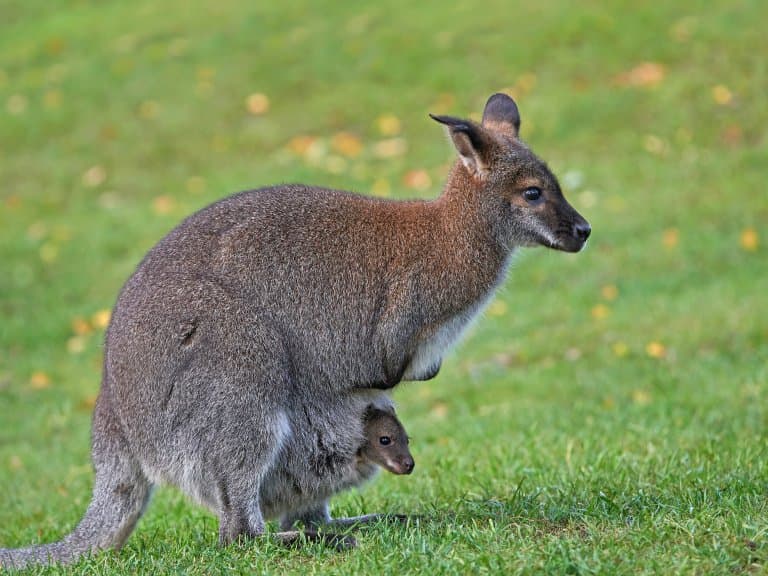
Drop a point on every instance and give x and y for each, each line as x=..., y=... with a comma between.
x=515, y=188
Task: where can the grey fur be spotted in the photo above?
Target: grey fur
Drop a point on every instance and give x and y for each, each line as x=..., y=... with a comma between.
x=280, y=306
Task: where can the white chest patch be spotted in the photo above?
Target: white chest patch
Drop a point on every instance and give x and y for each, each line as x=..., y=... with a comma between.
x=429, y=353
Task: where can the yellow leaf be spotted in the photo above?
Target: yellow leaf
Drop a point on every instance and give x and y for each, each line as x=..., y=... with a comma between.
x=101, y=318
x=390, y=148
x=52, y=99
x=163, y=204
x=670, y=237
x=80, y=326
x=748, y=239
x=39, y=380
x=644, y=75
x=655, y=350
x=16, y=104
x=600, y=311
x=381, y=187
x=439, y=410
x=417, y=179
x=149, y=109
x=497, y=308
x=620, y=349
x=257, y=103
x=609, y=292
x=347, y=144
x=76, y=345
x=641, y=397
x=722, y=95
x=94, y=176
x=389, y=125
x=300, y=145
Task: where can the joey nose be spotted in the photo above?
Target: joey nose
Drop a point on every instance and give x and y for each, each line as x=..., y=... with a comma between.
x=408, y=465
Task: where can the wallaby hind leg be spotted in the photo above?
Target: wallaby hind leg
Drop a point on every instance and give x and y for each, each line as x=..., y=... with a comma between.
x=245, y=454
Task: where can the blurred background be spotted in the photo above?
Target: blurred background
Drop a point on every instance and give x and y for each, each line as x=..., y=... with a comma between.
x=118, y=119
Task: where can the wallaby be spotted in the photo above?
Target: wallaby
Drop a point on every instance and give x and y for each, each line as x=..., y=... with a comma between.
x=293, y=295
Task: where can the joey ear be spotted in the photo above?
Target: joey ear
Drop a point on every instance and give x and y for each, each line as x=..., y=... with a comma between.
x=472, y=143
x=501, y=114
x=372, y=413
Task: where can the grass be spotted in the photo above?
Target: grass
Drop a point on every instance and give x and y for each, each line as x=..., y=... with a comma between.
x=608, y=414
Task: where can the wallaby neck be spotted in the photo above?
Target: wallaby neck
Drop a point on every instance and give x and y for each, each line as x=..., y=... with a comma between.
x=465, y=214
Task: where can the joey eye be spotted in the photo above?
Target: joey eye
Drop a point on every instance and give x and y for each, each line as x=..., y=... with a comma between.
x=385, y=440
x=532, y=194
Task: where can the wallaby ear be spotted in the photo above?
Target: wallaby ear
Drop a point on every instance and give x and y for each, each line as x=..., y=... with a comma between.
x=501, y=114
x=471, y=141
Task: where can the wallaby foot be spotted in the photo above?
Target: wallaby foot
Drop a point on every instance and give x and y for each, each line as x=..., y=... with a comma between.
x=297, y=538
x=369, y=519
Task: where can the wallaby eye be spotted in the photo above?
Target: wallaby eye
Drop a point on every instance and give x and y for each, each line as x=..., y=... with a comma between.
x=532, y=194
x=385, y=440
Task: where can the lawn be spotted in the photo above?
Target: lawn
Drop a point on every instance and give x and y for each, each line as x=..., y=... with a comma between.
x=607, y=415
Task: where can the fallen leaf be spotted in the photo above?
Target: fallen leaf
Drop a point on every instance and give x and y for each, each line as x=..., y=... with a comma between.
x=52, y=99
x=641, y=397
x=748, y=239
x=620, y=349
x=81, y=326
x=644, y=75
x=335, y=164
x=94, y=176
x=655, y=350
x=381, y=187
x=609, y=292
x=600, y=312
x=389, y=125
x=654, y=145
x=39, y=380
x=390, y=148
x=76, y=345
x=497, y=308
x=163, y=204
x=722, y=95
x=572, y=354
x=300, y=145
x=16, y=104
x=417, y=179
x=257, y=103
x=49, y=252
x=670, y=237
x=346, y=144
x=439, y=410
x=149, y=109
x=101, y=318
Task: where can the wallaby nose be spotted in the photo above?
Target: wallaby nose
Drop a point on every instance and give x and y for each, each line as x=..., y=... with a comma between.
x=583, y=230
x=408, y=464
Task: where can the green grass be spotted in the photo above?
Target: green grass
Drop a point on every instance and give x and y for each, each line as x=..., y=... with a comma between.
x=554, y=440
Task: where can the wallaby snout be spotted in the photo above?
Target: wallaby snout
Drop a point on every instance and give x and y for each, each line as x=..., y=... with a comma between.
x=401, y=465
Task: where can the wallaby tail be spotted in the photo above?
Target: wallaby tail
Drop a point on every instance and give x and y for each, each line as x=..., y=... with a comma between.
x=120, y=494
